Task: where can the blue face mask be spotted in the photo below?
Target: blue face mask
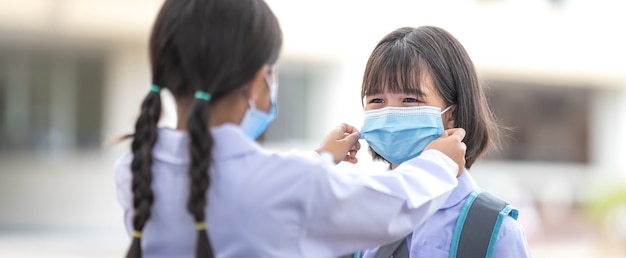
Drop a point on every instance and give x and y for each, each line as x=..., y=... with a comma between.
x=401, y=133
x=256, y=121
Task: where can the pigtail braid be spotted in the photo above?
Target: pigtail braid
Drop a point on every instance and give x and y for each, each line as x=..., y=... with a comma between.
x=201, y=143
x=143, y=141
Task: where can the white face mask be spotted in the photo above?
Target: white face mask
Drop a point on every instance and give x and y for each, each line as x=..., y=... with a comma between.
x=255, y=121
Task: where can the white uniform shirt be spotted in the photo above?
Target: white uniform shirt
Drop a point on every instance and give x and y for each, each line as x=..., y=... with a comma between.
x=266, y=204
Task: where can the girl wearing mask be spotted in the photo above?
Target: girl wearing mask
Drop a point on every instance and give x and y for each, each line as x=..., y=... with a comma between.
x=207, y=189
x=417, y=83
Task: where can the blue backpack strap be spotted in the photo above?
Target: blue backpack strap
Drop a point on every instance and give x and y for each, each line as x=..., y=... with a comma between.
x=478, y=225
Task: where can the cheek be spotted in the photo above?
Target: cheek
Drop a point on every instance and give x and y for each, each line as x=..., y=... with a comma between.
x=448, y=121
x=372, y=106
x=264, y=102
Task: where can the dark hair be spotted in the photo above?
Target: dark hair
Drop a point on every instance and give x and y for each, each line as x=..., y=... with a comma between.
x=215, y=46
x=397, y=64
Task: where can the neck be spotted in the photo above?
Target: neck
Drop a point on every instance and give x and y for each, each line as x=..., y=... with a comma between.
x=228, y=109
x=183, y=105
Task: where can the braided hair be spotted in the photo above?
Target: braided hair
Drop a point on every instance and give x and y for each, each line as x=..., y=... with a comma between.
x=209, y=48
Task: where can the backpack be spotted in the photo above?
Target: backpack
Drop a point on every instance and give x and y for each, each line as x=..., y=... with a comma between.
x=475, y=232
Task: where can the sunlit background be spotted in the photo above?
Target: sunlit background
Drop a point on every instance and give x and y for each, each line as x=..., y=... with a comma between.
x=73, y=72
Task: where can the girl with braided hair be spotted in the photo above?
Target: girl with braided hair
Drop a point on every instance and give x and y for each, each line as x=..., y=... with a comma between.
x=207, y=189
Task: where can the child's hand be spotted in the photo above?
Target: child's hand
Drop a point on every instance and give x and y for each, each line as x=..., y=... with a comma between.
x=343, y=143
x=451, y=143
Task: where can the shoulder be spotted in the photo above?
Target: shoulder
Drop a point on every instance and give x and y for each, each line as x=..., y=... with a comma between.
x=122, y=167
x=511, y=241
x=123, y=160
x=511, y=229
x=237, y=150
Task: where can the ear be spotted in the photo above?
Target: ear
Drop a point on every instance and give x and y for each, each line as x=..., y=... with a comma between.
x=256, y=85
x=448, y=118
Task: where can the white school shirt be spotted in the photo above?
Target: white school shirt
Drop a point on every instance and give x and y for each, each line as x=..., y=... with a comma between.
x=267, y=204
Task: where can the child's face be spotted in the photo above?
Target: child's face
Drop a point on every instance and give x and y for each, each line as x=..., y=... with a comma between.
x=429, y=97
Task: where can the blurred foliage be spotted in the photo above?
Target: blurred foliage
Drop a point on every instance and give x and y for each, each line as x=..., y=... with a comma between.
x=604, y=202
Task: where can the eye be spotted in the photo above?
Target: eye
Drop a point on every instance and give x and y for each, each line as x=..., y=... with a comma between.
x=411, y=100
x=376, y=100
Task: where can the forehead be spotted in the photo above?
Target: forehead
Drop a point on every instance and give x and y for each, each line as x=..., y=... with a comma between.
x=395, y=67
x=419, y=82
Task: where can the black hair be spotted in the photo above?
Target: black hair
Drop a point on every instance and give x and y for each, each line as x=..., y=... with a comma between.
x=214, y=46
x=402, y=56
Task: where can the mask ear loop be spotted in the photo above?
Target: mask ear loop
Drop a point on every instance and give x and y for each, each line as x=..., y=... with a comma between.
x=247, y=95
x=273, y=87
x=446, y=109
x=251, y=104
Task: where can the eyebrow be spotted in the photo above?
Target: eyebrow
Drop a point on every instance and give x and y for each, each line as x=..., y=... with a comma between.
x=412, y=91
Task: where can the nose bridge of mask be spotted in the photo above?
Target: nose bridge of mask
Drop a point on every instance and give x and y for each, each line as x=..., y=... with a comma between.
x=252, y=105
x=402, y=111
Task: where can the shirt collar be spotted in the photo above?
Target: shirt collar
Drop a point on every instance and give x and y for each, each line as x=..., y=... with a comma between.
x=172, y=145
x=465, y=187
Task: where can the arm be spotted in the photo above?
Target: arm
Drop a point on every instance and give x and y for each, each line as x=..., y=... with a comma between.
x=352, y=211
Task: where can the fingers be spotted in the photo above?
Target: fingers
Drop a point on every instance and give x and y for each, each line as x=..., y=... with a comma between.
x=352, y=139
x=456, y=132
x=342, y=142
x=348, y=128
x=351, y=157
x=344, y=130
x=356, y=146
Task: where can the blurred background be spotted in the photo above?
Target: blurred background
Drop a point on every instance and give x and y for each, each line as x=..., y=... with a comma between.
x=73, y=73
